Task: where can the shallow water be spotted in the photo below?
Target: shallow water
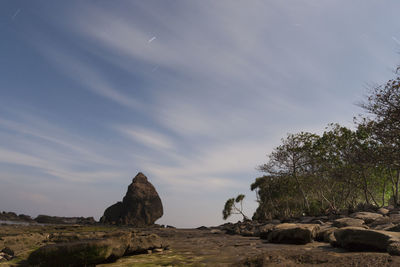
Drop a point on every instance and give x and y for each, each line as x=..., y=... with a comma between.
x=14, y=222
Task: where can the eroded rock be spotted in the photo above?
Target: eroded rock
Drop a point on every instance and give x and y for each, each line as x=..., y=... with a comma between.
x=361, y=239
x=288, y=233
x=326, y=234
x=367, y=217
x=140, y=207
x=346, y=222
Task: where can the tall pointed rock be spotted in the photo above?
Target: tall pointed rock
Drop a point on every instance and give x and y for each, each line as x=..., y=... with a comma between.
x=140, y=207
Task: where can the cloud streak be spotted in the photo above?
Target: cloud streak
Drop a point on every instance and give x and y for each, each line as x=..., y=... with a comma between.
x=195, y=95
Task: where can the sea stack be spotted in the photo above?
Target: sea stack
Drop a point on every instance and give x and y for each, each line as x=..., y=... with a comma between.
x=140, y=207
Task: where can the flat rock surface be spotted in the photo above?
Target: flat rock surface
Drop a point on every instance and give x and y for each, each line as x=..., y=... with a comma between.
x=193, y=247
x=210, y=248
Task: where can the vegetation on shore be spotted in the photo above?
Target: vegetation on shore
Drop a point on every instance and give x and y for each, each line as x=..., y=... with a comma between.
x=342, y=169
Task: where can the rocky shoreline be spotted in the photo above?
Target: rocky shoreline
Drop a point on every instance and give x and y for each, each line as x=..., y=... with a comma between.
x=345, y=237
x=59, y=245
x=45, y=219
x=127, y=235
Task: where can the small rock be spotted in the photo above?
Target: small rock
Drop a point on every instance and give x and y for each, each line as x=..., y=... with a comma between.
x=158, y=250
x=346, y=222
x=307, y=219
x=325, y=234
x=380, y=221
x=384, y=227
x=383, y=211
x=394, y=248
x=265, y=230
x=394, y=228
x=8, y=251
x=149, y=251
x=367, y=217
x=8, y=257
x=394, y=218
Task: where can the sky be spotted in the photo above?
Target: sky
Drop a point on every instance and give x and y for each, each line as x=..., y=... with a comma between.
x=195, y=94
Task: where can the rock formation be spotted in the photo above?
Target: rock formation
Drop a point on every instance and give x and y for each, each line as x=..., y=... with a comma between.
x=64, y=220
x=140, y=207
x=12, y=216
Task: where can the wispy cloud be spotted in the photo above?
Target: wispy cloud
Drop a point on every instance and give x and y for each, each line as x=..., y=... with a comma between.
x=194, y=95
x=84, y=74
x=152, y=139
x=35, y=143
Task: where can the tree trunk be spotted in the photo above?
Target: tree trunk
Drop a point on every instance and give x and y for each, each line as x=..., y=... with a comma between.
x=365, y=187
x=397, y=188
x=306, y=204
x=394, y=188
x=383, y=193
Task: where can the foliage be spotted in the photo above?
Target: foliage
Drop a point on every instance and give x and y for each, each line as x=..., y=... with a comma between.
x=342, y=169
x=230, y=208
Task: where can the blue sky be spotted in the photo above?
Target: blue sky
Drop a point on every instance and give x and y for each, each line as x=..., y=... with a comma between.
x=194, y=94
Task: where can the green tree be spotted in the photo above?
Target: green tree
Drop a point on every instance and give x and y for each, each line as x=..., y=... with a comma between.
x=383, y=103
x=230, y=208
x=292, y=159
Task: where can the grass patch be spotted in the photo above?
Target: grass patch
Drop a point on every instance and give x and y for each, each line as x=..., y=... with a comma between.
x=167, y=258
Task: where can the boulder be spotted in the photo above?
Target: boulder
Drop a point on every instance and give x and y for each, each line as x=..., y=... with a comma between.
x=265, y=230
x=140, y=207
x=383, y=211
x=395, y=218
x=326, y=234
x=95, y=251
x=367, y=217
x=81, y=253
x=393, y=228
x=345, y=222
x=289, y=233
x=384, y=227
x=361, y=239
x=380, y=221
x=140, y=243
x=394, y=248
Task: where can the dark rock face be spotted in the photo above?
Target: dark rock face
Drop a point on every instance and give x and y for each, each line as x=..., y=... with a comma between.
x=140, y=207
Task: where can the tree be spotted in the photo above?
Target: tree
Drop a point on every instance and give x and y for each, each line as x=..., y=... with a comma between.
x=383, y=103
x=292, y=159
x=317, y=175
x=230, y=207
